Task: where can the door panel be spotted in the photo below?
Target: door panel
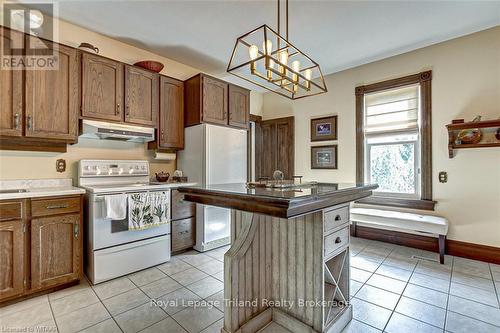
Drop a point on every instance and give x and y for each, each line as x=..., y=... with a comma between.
x=141, y=96
x=215, y=101
x=102, y=88
x=274, y=147
x=55, y=250
x=52, y=97
x=239, y=106
x=11, y=93
x=268, y=150
x=11, y=258
x=171, y=127
x=284, y=149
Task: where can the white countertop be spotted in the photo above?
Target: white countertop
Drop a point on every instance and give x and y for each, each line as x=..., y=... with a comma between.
x=36, y=188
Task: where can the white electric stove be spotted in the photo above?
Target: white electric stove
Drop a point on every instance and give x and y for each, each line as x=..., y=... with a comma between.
x=112, y=250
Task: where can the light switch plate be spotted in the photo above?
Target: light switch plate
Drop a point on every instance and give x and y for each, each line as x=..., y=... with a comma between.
x=61, y=165
x=443, y=177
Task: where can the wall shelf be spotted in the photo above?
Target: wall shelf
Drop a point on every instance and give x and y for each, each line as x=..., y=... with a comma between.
x=453, y=130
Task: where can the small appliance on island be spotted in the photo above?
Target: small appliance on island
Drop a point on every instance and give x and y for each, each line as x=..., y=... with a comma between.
x=289, y=256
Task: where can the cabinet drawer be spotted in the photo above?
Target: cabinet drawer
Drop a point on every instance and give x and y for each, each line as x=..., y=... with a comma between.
x=336, y=217
x=337, y=240
x=183, y=234
x=11, y=210
x=181, y=209
x=55, y=206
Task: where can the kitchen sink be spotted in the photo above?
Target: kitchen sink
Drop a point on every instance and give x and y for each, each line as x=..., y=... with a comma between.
x=15, y=190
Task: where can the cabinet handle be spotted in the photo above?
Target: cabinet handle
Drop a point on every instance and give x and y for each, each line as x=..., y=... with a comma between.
x=117, y=109
x=128, y=111
x=76, y=230
x=337, y=218
x=162, y=131
x=30, y=123
x=56, y=206
x=16, y=121
x=338, y=240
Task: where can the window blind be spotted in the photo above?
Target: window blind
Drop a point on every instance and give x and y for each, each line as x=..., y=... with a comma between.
x=392, y=110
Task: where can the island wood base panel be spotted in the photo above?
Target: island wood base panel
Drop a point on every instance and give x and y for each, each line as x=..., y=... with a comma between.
x=275, y=265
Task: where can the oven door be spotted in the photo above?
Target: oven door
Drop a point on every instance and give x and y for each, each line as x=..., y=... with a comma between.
x=107, y=233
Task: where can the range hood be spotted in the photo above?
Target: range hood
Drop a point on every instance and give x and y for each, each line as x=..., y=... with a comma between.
x=110, y=131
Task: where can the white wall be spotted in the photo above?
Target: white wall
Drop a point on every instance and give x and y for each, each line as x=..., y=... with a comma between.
x=466, y=83
x=27, y=165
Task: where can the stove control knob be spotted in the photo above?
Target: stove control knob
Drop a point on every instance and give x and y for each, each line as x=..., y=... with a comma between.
x=131, y=170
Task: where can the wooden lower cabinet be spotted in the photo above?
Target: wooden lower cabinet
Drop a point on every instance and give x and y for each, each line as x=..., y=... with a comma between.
x=55, y=250
x=40, y=252
x=12, y=258
x=183, y=222
x=183, y=234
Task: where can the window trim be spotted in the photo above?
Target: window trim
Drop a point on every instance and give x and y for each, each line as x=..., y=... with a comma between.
x=424, y=79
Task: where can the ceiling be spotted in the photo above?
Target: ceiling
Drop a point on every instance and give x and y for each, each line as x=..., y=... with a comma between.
x=336, y=34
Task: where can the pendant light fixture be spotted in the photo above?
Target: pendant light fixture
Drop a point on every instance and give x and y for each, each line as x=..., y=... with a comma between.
x=268, y=59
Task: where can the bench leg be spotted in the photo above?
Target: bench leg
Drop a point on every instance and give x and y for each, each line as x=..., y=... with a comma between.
x=353, y=228
x=442, y=248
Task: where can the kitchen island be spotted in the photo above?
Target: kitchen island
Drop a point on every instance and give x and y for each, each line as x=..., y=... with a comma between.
x=289, y=256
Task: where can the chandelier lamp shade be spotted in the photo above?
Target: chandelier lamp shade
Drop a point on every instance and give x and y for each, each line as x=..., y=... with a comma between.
x=266, y=58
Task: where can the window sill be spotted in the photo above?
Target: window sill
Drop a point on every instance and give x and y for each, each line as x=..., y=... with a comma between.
x=397, y=202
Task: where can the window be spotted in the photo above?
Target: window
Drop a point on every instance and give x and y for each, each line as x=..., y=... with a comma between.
x=393, y=141
x=391, y=138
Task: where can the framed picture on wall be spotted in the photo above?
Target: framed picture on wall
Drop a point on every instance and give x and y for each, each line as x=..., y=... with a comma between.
x=324, y=129
x=324, y=157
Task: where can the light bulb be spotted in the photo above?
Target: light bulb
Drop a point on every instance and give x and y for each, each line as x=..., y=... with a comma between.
x=253, y=52
x=283, y=57
x=269, y=46
x=269, y=71
x=296, y=68
x=308, y=74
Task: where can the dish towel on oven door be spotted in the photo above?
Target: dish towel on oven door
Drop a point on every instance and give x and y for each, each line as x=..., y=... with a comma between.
x=147, y=209
x=116, y=206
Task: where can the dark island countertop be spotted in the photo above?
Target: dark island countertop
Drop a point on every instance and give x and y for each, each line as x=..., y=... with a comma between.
x=283, y=203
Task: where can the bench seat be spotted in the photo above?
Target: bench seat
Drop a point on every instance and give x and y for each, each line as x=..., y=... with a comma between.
x=435, y=225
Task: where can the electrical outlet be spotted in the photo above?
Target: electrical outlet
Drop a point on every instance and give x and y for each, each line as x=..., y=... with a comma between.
x=443, y=177
x=61, y=165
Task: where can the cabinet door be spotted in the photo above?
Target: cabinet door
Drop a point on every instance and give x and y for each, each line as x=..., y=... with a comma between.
x=181, y=208
x=141, y=96
x=239, y=106
x=11, y=258
x=183, y=234
x=102, y=88
x=55, y=250
x=215, y=95
x=171, y=124
x=52, y=96
x=11, y=92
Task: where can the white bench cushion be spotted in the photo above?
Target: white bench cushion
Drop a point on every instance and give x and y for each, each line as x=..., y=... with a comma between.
x=409, y=221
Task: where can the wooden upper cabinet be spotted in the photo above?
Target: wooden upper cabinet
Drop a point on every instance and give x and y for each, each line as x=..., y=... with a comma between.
x=102, y=88
x=12, y=243
x=55, y=250
x=239, y=106
x=215, y=100
x=11, y=92
x=171, y=123
x=52, y=96
x=210, y=100
x=141, y=96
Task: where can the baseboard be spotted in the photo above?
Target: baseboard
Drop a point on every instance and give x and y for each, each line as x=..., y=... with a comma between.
x=455, y=248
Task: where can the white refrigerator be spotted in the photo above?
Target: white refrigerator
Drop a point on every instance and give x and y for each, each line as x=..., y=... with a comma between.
x=213, y=155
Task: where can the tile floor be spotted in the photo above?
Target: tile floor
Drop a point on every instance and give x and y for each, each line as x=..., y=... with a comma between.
x=391, y=292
